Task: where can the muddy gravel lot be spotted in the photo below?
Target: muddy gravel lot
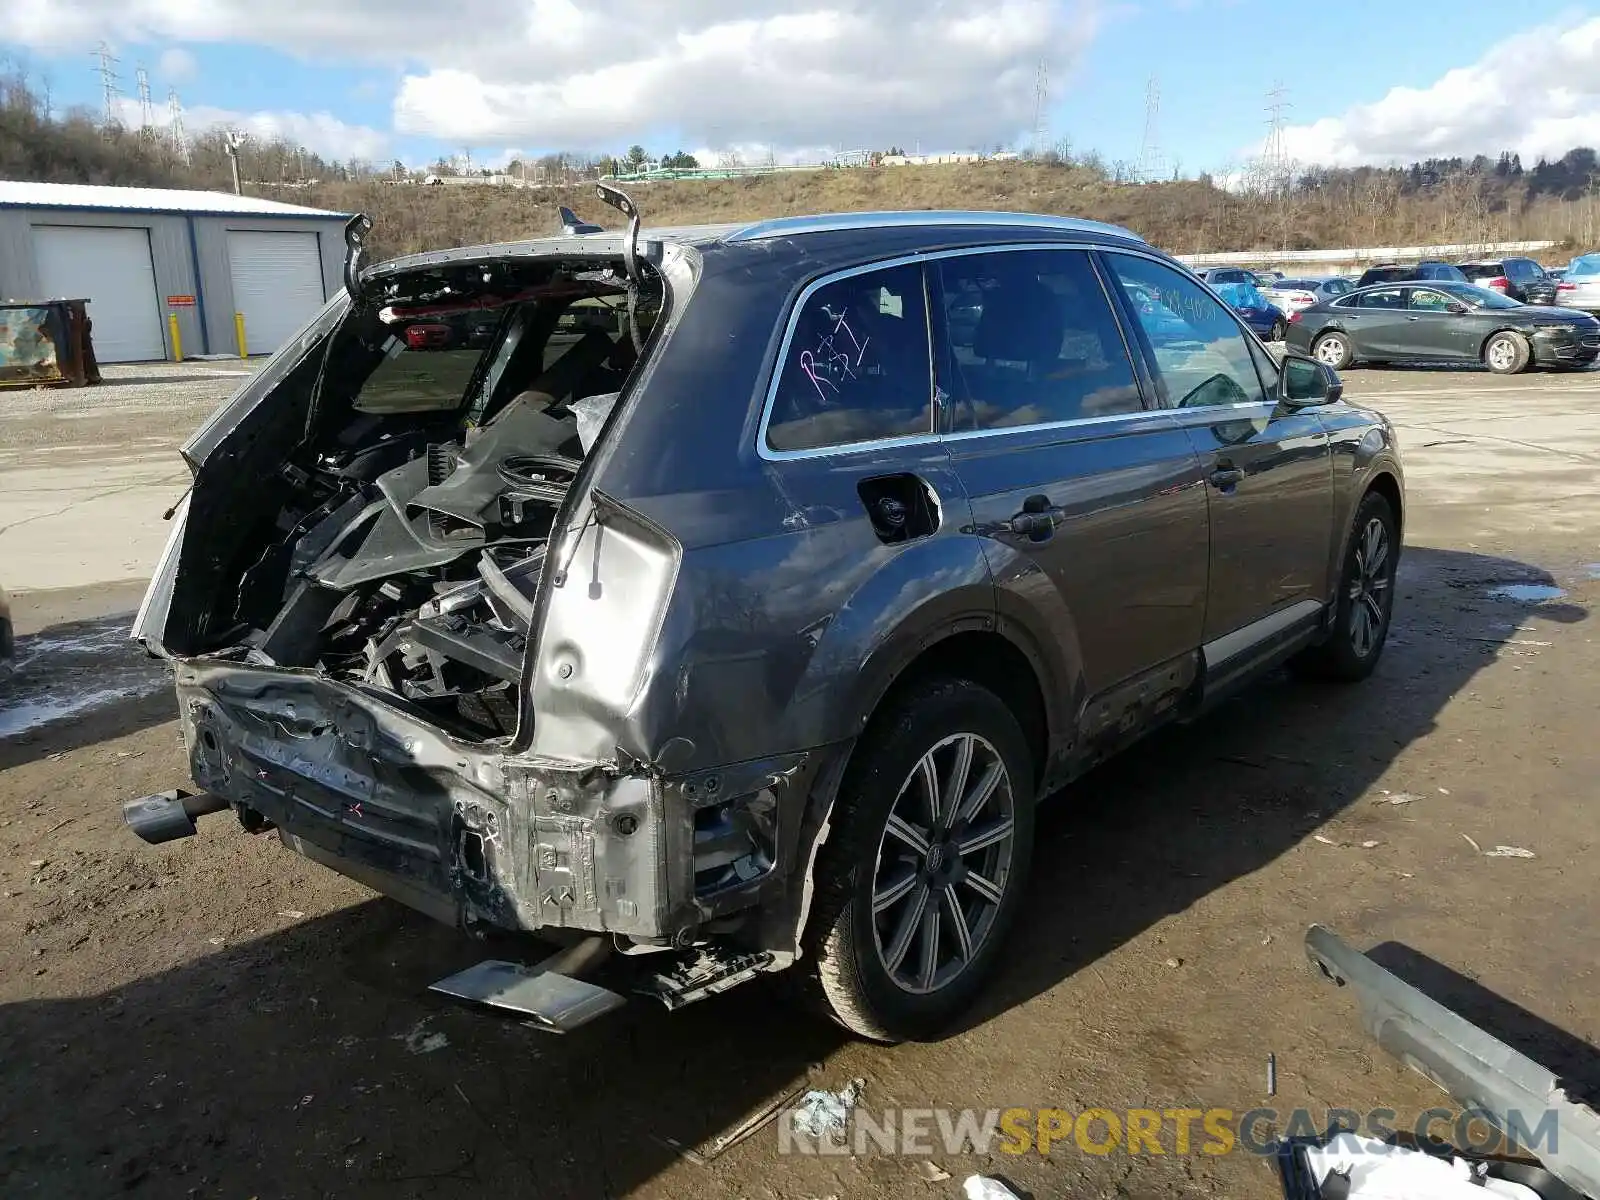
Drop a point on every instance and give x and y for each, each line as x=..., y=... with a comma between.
x=217, y=1017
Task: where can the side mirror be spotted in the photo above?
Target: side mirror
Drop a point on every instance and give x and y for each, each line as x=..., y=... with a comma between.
x=1306, y=383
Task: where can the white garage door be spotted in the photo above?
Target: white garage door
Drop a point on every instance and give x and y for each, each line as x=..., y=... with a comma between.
x=277, y=285
x=111, y=269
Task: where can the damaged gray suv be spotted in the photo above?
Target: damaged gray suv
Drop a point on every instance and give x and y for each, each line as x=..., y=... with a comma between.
x=720, y=601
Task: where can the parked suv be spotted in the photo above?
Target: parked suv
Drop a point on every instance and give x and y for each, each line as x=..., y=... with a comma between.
x=1409, y=272
x=1520, y=278
x=748, y=637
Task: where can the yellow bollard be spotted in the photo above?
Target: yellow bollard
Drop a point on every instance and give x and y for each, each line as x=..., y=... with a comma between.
x=238, y=329
x=177, y=338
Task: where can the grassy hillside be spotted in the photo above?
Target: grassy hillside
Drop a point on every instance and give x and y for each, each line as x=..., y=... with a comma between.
x=1350, y=209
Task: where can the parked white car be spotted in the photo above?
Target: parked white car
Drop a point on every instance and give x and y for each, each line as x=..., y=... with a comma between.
x=1580, y=285
x=1292, y=295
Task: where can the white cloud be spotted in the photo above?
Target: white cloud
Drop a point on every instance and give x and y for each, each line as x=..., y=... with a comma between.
x=320, y=132
x=177, y=65
x=590, y=74
x=1536, y=93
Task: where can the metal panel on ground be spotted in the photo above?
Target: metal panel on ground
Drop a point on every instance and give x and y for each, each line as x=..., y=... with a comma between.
x=111, y=268
x=277, y=284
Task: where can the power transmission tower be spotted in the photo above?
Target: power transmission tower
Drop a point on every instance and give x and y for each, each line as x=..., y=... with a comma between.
x=1275, y=155
x=1041, y=108
x=1150, y=164
x=109, y=95
x=180, y=140
x=146, y=113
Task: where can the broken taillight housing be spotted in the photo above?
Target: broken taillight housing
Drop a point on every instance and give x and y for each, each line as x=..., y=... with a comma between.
x=1294, y=317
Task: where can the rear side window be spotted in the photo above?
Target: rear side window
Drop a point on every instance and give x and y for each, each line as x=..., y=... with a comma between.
x=1028, y=338
x=856, y=368
x=1201, y=352
x=1584, y=266
x=1384, y=298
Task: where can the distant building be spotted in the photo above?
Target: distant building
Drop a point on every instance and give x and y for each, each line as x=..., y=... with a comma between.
x=927, y=160
x=138, y=254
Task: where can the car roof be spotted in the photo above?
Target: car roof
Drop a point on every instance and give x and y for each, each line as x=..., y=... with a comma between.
x=858, y=229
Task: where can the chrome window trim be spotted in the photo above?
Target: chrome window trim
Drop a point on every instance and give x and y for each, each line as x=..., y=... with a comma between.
x=772, y=454
x=938, y=218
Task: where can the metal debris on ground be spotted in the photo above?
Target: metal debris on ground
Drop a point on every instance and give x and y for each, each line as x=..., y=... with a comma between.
x=981, y=1187
x=932, y=1172
x=1509, y=852
x=1476, y=848
x=820, y=1113
x=1370, y=845
x=712, y=1148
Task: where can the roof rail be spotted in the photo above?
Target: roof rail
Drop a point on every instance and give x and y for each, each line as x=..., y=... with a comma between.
x=836, y=222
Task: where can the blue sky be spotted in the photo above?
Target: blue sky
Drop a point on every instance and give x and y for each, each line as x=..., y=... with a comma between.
x=409, y=79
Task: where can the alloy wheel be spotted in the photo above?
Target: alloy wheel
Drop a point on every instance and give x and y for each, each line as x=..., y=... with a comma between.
x=1330, y=351
x=1369, y=587
x=1502, y=354
x=944, y=863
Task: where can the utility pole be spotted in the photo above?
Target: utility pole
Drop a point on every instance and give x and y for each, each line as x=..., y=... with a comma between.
x=235, y=141
x=1275, y=170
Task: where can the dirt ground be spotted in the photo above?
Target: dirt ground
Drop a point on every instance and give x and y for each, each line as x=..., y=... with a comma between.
x=218, y=1017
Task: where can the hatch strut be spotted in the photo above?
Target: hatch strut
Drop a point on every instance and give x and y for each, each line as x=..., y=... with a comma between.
x=355, y=255
x=619, y=200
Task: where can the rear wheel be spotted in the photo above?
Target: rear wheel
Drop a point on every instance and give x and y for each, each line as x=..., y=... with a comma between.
x=921, y=878
x=1332, y=350
x=1277, y=333
x=1506, y=353
x=1365, y=602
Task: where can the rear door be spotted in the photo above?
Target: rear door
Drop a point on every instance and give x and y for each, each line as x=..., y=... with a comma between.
x=1089, y=497
x=1376, y=322
x=1268, y=471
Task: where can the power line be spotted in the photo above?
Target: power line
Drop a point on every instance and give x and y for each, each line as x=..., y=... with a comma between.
x=1150, y=164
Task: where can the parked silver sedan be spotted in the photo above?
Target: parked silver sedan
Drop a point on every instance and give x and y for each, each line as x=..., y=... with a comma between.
x=1303, y=291
x=1580, y=284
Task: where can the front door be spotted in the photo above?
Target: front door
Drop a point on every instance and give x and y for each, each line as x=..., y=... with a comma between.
x=1268, y=472
x=1089, y=497
x=1433, y=331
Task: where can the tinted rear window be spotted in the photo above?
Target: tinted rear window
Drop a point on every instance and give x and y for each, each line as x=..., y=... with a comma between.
x=857, y=367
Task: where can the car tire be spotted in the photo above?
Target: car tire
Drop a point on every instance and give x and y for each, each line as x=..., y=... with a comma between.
x=1277, y=333
x=868, y=962
x=1333, y=350
x=1507, y=353
x=1365, y=601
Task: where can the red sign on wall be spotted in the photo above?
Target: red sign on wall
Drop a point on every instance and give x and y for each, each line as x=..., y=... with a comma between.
x=180, y=301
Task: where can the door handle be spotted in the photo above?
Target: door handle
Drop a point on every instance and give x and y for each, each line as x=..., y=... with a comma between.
x=1224, y=478
x=1038, y=519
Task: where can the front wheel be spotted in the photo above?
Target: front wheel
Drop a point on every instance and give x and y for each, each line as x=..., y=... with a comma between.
x=1278, y=330
x=1333, y=350
x=1365, y=601
x=1507, y=353
x=923, y=874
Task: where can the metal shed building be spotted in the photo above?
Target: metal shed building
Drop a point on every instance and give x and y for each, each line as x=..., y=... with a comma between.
x=139, y=255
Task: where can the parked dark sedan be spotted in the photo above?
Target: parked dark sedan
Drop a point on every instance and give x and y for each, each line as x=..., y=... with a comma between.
x=1265, y=319
x=1408, y=272
x=1443, y=321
